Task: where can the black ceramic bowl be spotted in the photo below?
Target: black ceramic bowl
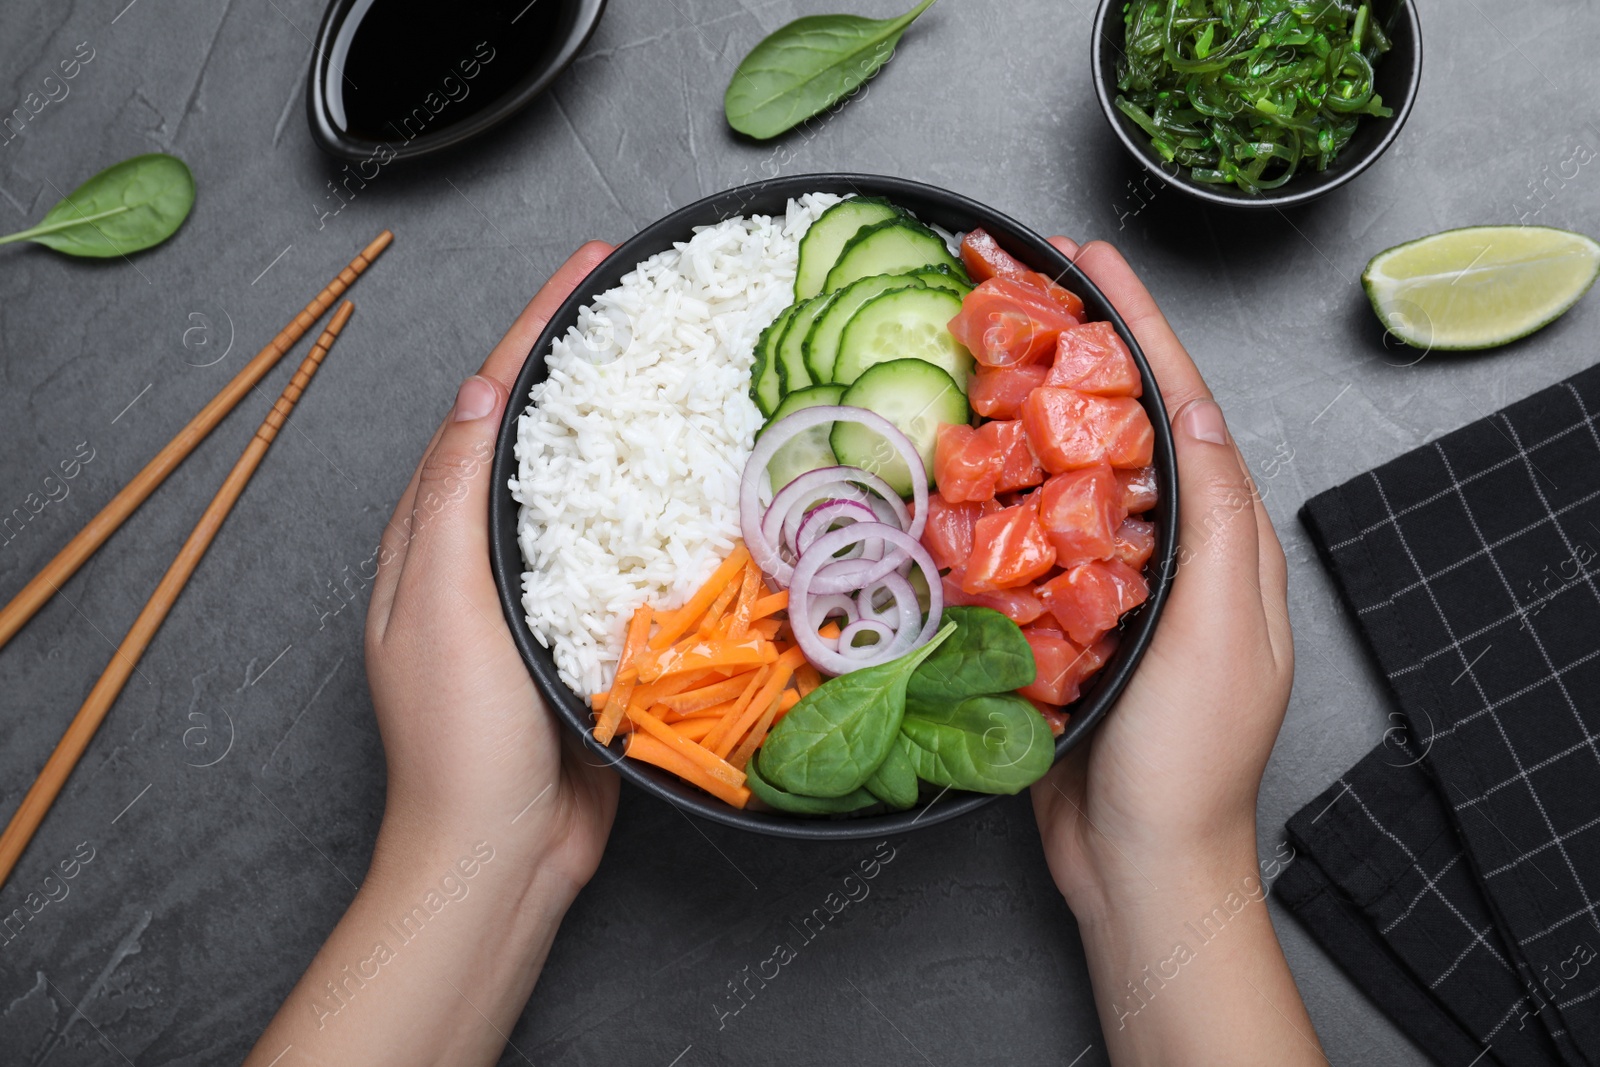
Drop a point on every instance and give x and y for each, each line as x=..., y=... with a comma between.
x=433, y=123
x=955, y=213
x=1398, y=75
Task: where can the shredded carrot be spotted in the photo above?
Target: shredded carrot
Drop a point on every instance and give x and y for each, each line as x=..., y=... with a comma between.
x=652, y=693
x=715, y=713
x=695, y=729
x=829, y=631
x=782, y=671
x=767, y=628
x=741, y=755
x=716, y=614
x=732, y=715
x=715, y=693
x=675, y=624
x=643, y=746
x=713, y=765
x=771, y=605
x=807, y=678
x=702, y=653
x=622, y=691
x=744, y=607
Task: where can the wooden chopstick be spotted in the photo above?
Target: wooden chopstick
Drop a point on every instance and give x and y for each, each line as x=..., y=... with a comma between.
x=48, y=581
x=31, y=812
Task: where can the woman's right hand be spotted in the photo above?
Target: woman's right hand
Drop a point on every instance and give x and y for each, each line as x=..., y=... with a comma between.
x=1149, y=827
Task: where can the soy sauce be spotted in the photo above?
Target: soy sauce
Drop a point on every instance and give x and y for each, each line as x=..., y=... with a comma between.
x=401, y=69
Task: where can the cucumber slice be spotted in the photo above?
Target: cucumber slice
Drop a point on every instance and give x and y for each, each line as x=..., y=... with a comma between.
x=892, y=247
x=916, y=397
x=908, y=324
x=766, y=389
x=826, y=238
x=942, y=277
x=790, y=349
x=822, y=343
x=807, y=451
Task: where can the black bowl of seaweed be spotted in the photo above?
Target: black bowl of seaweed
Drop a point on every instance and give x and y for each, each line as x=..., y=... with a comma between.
x=1256, y=103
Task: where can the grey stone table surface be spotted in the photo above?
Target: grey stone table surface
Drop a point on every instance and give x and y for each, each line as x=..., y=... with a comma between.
x=230, y=800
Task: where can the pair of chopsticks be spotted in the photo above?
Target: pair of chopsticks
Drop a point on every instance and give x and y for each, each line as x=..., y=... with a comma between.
x=31, y=812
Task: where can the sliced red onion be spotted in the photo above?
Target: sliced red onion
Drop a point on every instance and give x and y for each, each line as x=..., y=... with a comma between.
x=803, y=592
x=835, y=604
x=850, y=650
x=762, y=544
x=824, y=515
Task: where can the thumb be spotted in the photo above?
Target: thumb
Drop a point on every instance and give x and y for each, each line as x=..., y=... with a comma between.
x=1217, y=535
x=449, y=546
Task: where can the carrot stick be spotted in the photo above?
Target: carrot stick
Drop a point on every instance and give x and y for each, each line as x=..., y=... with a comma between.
x=744, y=607
x=782, y=671
x=675, y=624
x=767, y=628
x=751, y=652
x=643, y=746
x=807, y=678
x=704, y=697
x=715, y=712
x=689, y=750
x=741, y=756
x=731, y=716
x=653, y=693
x=695, y=729
x=622, y=690
x=771, y=605
x=717, y=612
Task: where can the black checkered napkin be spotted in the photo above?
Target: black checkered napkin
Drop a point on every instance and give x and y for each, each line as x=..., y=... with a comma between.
x=1381, y=880
x=1473, y=567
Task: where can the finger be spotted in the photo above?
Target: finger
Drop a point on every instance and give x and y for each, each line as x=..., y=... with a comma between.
x=1175, y=372
x=449, y=519
x=505, y=362
x=1274, y=572
x=1218, y=552
x=392, y=551
x=1066, y=246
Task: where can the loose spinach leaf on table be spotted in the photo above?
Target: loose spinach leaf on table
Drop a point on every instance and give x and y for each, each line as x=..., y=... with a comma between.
x=127, y=207
x=994, y=743
x=830, y=743
x=807, y=66
x=895, y=780
x=774, y=797
x=986, y=654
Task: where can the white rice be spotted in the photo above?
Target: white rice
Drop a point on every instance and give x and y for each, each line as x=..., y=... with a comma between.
x=630, y=454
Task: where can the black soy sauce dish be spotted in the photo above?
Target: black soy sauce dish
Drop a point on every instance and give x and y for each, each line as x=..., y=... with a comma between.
x=392, y=79
x=1397, y=79
x=940, y=207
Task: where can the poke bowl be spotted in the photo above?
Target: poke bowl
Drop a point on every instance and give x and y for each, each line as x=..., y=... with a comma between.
x=779, y=547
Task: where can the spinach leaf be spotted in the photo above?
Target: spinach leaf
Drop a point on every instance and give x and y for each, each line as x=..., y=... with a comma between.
x=895, y=780
x=127, y=207
x=996, y=743
x=774, y=797
x=986, y=654
x=830, y=743
x=807, y=66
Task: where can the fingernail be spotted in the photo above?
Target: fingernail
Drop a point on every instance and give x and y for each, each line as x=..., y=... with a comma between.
x=1202, y=420
x=475, y=400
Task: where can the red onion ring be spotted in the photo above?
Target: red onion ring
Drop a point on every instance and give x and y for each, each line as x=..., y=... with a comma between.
x=803, y=592
x=837, y=603
x=752, y=523
x=819, y=518
x=846, y=640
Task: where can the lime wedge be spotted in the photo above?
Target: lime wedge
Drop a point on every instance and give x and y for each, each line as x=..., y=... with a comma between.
x=1480, y=286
